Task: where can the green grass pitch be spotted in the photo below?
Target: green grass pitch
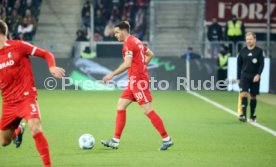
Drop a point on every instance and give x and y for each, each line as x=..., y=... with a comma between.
x=204, y=135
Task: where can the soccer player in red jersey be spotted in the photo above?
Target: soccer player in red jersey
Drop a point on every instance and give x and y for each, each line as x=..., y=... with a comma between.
x=19, y=92
x=136, y=57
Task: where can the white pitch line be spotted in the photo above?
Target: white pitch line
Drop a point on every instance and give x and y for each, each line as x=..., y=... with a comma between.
x=262, y=127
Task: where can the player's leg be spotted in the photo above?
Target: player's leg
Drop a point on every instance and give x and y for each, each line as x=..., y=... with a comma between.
x=253, y=104
x=121, y=117
x=144, y=98
x=254, y=91
x=9, y=126
x=244, y=85
x=17, y=136
x=30, y=111
x=158, y=124
x=125, y=100
x=40, y=140
x=155, y=119
x=6, y=137
x=244, y=97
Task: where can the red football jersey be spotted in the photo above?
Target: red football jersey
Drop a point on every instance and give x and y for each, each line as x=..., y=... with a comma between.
x=135, y=48
x=16, y=76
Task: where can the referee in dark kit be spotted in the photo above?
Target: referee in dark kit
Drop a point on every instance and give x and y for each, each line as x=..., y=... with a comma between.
x=250, y=66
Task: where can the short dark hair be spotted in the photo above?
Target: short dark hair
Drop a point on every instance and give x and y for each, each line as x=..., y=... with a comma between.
x=3, y=28
x=250, y=33
x=124, y=25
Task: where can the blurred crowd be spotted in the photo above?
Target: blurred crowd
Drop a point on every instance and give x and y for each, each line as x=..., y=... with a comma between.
x=21, y=17
x=108, y=13
x=224, y=42
x=233, y=33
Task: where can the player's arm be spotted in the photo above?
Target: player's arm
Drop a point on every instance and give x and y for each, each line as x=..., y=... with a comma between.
x=32, y=50
x=260, y=69
x=149, y=56
x=124, y=66
x=239, y=66
x=57, y=72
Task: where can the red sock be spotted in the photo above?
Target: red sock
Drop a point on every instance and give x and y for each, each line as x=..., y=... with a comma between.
x=157, y=123
x=120, y=123
x=16, y=132
x=43, y=148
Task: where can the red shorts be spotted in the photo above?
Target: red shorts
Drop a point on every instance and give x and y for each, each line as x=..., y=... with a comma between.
x=138, y=92
x=12, y=114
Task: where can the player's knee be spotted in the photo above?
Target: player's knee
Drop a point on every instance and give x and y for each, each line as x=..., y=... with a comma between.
x=244, y=94
x=121, y=106
x=147, y=108
x=253, y=97
x=5, y=142
x=35, y=129
x=34, y=126
x=147, y=111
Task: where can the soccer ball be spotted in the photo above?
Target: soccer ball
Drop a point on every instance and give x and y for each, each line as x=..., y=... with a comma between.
x=86, y=141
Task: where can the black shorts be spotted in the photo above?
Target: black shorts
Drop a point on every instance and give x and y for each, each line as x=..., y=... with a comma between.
x=247, y=84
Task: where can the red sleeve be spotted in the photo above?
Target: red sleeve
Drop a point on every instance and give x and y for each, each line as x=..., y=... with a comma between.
x=28, y=49
x=129, y=46
x=129, y=50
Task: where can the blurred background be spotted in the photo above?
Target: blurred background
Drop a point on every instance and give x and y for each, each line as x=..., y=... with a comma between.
x=80, y=34
x=194, y=39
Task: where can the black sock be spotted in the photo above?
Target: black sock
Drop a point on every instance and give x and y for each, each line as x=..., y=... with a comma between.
x=244, y=105
x=253, y=104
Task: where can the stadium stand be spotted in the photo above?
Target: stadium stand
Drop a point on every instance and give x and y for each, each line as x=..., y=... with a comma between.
x=21, y=17
x=107, y=15
x=177, y=25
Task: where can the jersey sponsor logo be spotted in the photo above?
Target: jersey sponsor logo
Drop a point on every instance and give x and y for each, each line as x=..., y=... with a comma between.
x=9, y=55
x=6, y=64
x=254, y=60
x=250, y=54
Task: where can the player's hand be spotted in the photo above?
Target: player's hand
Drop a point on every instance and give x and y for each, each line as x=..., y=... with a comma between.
x=256, y=78
x=108, y=77
x=57, y=72
x=238, y=82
